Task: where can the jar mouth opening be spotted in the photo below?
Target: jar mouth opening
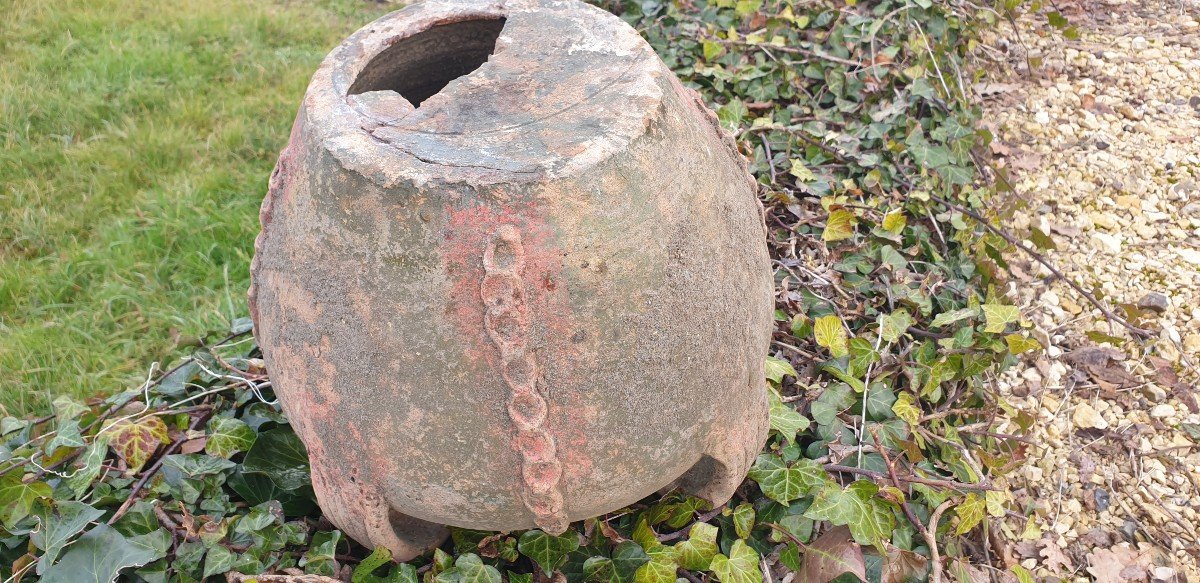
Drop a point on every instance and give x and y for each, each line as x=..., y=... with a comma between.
x=419, y=66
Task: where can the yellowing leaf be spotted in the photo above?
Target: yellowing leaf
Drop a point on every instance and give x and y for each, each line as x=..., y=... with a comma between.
x=135, y=441
x=741, y=566
x=830, y=333
x=906, y=408
x=998, y=316
x=1023, y=575
x=697, y=551
x=775, y=368
x=839, y=225
x=895, y=221
x=801, y=172
x=893, y=325
x=995, y=500
x=743, y=519
x=1018, y=343
x=970, y=513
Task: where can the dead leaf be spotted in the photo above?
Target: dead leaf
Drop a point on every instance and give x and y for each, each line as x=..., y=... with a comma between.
x=901, y=566
x=1168, y=378
x=1094, y=355
x=1111, y=378
x=1053, y=558
x=832, y=554
x=1120, y=564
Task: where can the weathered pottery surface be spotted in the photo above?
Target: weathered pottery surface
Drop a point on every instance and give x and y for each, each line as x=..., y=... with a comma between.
x=516, y=295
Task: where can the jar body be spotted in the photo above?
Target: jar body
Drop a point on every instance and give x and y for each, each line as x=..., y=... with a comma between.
x=500, y=349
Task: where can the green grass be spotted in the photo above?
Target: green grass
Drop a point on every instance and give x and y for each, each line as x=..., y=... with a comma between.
x=137, y=137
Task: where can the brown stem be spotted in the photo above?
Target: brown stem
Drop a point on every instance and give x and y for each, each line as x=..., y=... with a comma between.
x=931, y=542
x=887, y=459
x=909, y=479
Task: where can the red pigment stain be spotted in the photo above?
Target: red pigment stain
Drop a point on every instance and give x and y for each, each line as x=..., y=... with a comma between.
x=545, y=295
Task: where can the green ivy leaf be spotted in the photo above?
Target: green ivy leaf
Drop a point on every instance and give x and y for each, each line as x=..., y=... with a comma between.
x=833, y=400
x=217, y=560
x=741, y=566
x=17, y=497
x=830, y=333
x=782, y=482
x=697, y=551
x=57, y=525
x=101, y=553
x=870, y=519
x=280, y=455
x=88, y=466
x=549, y=552
x=785, y=420
x=743, y=519
x=378, y=558
x=227, y=436
x=953, y=316
x=469, y=568
x=195, y=465
x=880, y=400
x=627, y=558
x=320, y=559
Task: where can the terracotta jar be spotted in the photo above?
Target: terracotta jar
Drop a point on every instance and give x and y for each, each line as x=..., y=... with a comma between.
x=511, y=274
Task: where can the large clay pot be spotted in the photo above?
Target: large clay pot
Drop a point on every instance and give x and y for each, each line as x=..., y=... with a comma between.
x=541, y=295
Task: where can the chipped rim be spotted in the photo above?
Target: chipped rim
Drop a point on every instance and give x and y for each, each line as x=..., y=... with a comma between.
x=338, y=125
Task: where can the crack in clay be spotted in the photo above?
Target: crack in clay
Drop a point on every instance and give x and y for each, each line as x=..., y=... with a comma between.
x=506, y=320
x=551, y=115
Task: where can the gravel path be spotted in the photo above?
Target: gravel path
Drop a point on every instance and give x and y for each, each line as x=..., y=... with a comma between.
x=1102, y=144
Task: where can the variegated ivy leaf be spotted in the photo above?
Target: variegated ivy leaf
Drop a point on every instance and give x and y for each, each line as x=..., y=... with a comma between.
x=136, y=440
x=783, y=482
x=227, y=436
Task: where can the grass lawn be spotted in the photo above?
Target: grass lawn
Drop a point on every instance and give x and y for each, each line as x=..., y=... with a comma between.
x=137, y=137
